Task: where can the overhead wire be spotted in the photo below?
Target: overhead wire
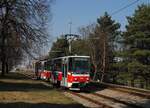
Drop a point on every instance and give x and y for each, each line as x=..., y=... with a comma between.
x=121, y=9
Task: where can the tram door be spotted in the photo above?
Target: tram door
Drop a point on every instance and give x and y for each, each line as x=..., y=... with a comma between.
x=64, y=72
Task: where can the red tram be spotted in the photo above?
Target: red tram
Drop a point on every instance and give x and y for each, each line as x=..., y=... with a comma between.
x=72, y=72
x=42, y=69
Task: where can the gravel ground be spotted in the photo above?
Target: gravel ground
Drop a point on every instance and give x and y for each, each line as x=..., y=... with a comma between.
x=126, y=97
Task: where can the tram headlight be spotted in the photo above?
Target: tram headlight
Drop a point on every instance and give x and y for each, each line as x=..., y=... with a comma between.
x=75, y=79
x=87, y=79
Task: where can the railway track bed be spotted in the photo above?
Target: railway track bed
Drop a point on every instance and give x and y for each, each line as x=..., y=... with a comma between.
x=114, y=97
x=124, y=98
x=101, y=100
x=131, y=90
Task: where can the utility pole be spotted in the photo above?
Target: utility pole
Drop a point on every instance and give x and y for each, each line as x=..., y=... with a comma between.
x=104, y=59
x=70, y=23
x=70, y=37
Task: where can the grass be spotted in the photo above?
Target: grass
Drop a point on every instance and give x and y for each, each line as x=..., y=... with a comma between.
x=16, y=91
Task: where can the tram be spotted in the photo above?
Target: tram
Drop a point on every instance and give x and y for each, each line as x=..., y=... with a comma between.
x=43, y=69
x=71, y=72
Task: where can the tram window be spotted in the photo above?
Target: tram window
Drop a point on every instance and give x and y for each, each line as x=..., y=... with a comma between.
x=48, y=65
x=79, y=65
x=63, y=69
x=39, y=66
x=45, y=65
x=70, y=64
x=42, y=66
x=58, y=68
x=57, y=65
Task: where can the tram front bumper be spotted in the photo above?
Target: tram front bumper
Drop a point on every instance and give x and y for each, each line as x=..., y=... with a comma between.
x=78, y=86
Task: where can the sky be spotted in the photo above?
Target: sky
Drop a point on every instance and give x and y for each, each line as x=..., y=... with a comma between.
x=84, y=12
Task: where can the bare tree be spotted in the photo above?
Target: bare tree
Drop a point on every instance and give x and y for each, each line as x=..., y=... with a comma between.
x=24, y=23
x=101, y=38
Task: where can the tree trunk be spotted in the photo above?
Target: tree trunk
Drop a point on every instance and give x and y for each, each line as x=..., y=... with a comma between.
x=3, y=56
x=104, y=60
x=132, y=82
x=3, y=36
x=95, y=73
x=7, y=68
x=3, y=67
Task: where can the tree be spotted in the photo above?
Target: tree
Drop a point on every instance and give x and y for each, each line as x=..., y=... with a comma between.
x=91, y=46
x=137, y=42
x=101, y=40
x=59, y=48
x=79, y=47
x=106, y=32
x=24, y=22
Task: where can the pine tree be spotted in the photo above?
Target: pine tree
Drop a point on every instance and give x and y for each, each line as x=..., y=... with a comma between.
x=137, y=43
x=106, y=33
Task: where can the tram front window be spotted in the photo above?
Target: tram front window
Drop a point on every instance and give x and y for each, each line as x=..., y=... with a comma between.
x=79, y=65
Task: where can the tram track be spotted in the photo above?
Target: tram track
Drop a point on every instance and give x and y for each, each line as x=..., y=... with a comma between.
x=126, y=96
x=132, y=91
x=95, y=100
x=117, y=100
x=101, y=105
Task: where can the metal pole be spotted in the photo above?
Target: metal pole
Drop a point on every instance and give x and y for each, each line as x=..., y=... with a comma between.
x=69, y=45
x=70, y=23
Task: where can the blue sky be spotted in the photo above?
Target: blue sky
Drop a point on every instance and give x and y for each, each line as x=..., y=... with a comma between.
x=84, y=12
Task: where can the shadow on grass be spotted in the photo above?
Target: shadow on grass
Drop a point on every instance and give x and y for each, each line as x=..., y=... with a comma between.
x=20, y=83
x=8, y=86
x=38, y=105
x=15, y=76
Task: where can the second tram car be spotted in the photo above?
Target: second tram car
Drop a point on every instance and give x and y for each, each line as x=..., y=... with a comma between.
x=43, y=69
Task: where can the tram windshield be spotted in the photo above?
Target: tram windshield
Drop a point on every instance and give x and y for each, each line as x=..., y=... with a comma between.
x=79, y=65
